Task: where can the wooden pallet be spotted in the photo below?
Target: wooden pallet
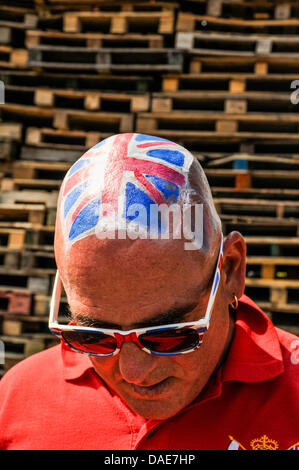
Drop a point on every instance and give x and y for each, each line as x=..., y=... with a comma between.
x=119, y=23
x=215, y=144
x=41, y=260
x=98, y=40
x=187, y=22
x=88, y=100
x=31, y=213
x=15, y=301
x=105, y=60
x=257, y=207
x=9, y=149
x=40, y=238
x=68, y=118
x=255, y=10
x=26, y=185
x=239, y=161
x=41, y=194
x=68, y=145
x=56, y=152
x=10, y=257
x=247, y=125
x=41, y=306
x=224, y=44
x=27, y=344
x=275, y=194
x=10, y=131
x=12, y=238
x=228, y=102
x=40, y=170
x=115, y=6
x=259, y=226
x=35, y=280
x=286, y=247
x=272, y=267
x=18, y=17
x=12, y=36
x=278, y=290
x=258, y=64
x=81, y=82
x=255, y=178
x=13, y=58
x=21, y=325
x=259, y=82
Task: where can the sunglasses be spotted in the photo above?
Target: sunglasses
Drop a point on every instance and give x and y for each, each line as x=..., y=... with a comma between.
x=164, y=340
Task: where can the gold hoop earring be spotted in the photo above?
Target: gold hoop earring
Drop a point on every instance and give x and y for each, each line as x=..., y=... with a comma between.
x=235, y=303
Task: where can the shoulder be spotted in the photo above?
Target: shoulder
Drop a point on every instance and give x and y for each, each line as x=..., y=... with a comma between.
x=33, y=368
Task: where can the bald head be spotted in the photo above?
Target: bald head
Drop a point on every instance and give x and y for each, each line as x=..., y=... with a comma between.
x=117, y=184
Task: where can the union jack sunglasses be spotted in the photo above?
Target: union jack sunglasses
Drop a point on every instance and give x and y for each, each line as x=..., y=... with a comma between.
x=164, y=340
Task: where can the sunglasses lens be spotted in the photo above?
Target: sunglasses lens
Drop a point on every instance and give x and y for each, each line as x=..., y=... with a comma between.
x=170, y=340
x=93, y=343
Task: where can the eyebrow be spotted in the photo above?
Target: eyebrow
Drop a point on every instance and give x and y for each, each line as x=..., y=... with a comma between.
x=175, y=315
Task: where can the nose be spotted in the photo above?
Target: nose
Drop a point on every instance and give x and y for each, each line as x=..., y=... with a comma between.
x=135, y=365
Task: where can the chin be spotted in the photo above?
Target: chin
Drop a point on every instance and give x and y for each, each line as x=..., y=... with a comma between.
x=153, y=409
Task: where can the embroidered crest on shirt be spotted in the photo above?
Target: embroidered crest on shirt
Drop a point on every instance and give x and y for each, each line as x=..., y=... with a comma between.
x=260, y=443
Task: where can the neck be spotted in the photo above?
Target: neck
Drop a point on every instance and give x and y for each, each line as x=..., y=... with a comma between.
x=229, y=338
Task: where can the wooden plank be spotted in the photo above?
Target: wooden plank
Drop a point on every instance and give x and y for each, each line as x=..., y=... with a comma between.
x=91, y=100
x=244, y=124
x=12, y=238
x=20, y=18
x=11, y=130
x=214, y=8
x=282, y=11
x=62, y=139
x=96, y=40
x=33, y=213
x=116, y=59
x=190, y=22
x=119, y=21
x=67, y=119
x=260, y=82
x=237, y=85
x=254, y=161
x=238, y=44
x=261, y=68
x=220, y=62
x=235, y=106
x=25, y=345
x=226, y=126
x=16, y=302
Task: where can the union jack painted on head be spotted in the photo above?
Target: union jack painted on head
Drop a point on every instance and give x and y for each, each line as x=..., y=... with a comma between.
x=121, y=170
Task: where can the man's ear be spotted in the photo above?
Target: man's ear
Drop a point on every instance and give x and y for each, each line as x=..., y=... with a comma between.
x=234, y=264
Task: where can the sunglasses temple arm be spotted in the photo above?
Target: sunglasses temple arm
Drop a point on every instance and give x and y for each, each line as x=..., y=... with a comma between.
x=55, y=301
x=215, y=285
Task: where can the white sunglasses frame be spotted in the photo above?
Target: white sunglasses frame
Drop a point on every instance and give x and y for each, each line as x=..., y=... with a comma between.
x=201, y=326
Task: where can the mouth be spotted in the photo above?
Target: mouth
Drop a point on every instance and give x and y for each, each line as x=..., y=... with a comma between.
x=154, y=390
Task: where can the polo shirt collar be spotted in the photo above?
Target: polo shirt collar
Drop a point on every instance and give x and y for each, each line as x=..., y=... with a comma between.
x=254, y=354
x=75, y=364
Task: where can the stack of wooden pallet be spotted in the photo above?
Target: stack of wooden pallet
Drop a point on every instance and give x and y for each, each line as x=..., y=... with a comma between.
x=219, y=77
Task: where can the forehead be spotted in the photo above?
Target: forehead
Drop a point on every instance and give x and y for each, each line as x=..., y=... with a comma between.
x=133, y=280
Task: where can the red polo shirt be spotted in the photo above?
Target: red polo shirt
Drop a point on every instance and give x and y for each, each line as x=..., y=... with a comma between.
x=55, y=400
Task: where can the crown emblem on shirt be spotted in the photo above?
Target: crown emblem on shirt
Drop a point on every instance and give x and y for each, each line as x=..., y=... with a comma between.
x=264, y=443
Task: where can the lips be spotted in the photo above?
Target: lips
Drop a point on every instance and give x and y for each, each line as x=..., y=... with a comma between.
x=153, y=390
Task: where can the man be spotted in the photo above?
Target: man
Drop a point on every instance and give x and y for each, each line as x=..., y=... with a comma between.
x=163, y=349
